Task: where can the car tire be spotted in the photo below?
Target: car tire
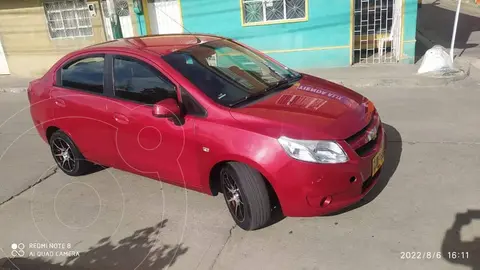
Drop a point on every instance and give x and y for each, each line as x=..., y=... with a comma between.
x=67, y=156
x=246, y=195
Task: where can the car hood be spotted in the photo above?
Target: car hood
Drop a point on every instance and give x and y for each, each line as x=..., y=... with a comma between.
x=312, y=108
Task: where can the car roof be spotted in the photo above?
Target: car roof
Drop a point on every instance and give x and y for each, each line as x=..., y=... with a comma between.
x=161, y=44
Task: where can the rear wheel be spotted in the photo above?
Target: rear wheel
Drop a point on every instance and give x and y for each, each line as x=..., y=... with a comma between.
x=246, y=195
x=67, y=156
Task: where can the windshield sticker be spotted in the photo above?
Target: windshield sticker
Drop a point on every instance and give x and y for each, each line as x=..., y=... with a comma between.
x=332, y=95
x=297, y=101
x=212, y=60
x=188, y=60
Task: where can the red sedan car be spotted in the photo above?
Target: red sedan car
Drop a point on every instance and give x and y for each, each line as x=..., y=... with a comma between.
x=212, y=115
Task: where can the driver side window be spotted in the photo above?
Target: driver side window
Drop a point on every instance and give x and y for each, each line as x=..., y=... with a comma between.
x=139, y=82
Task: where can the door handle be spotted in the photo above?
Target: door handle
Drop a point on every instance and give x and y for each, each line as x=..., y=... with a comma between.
x=120, y=118
x=60, y=102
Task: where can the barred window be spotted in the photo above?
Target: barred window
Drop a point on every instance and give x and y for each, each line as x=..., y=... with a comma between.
x=68, y=18
x=258, y=11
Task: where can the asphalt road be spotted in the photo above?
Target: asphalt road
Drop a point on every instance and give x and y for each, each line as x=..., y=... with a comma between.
x=425, y=208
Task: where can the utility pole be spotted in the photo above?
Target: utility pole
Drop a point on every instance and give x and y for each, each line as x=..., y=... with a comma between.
x=452, y=46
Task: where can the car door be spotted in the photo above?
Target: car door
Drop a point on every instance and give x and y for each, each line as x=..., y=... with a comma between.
x=79, y=106
x=155, y=147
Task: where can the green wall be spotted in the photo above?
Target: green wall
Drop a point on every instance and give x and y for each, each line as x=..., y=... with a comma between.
x=321, y=41
x=409, y=30
x=328, y=25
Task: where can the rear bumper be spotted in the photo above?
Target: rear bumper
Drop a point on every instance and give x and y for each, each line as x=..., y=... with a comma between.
x=308, y=189
x=39, y=125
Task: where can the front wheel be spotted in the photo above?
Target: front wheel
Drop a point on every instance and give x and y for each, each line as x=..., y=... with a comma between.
x=246, y=195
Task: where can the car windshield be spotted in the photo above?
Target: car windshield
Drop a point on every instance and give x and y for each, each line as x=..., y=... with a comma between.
x=229, y=73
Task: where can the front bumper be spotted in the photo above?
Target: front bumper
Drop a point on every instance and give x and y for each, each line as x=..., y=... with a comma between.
x=309, y=189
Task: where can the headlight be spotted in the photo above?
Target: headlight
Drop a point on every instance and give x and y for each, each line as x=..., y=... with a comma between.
x=313, y=151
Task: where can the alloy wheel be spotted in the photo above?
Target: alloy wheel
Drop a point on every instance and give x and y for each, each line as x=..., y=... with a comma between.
x=62, y=152
x=233, y=196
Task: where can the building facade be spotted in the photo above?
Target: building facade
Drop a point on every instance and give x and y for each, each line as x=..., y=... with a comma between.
x=299, y=33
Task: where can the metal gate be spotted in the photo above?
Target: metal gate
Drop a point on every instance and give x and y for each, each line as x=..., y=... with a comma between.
x=377, y=31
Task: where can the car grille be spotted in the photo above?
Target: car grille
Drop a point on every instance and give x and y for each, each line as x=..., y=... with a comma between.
x=361, y=141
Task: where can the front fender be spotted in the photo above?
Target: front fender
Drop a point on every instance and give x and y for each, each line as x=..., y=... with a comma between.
x=261, y=168
x=222, y=144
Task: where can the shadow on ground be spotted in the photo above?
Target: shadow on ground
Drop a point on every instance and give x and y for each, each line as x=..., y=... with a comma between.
x=456, y=251
x=420, y=50
x=436, y=24
x=393, y=153
x=141, y=250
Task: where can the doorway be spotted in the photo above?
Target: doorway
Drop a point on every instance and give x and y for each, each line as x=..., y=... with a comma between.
x=4, y=70
x=165, y=16
x=377, y=31
x=116, y=19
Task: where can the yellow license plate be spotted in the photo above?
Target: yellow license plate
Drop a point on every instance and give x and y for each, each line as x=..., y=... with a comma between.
x=378, y=160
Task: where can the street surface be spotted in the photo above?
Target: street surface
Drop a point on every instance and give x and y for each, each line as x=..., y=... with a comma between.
x=426, y=203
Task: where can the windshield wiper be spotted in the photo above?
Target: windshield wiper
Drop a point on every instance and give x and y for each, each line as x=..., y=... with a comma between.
x=273, y=87
x=277, y=85
x=282, y=82
x=247, y=98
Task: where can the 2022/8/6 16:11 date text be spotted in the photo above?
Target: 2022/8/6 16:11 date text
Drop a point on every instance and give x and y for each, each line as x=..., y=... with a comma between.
x=418, y=255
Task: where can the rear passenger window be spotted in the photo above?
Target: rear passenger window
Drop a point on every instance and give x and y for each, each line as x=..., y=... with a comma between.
x=85, y=74
x=137, y=81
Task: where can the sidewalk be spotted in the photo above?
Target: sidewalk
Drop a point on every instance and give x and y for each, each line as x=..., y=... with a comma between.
x=357, y=76
x=387, y=75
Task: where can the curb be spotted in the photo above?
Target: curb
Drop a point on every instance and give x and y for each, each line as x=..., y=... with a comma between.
x=410, y=79
x=15, y=90
x=413, y=81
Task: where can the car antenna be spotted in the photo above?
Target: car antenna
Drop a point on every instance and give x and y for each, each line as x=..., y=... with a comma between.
x=198, y=40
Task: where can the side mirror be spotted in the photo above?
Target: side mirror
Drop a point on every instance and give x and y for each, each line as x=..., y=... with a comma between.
x=166, y=108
